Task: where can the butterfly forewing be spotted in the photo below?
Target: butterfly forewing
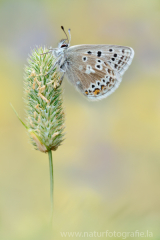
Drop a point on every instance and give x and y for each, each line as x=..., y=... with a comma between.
x=96, y=70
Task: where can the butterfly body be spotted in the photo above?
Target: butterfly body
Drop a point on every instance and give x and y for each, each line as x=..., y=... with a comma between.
x=95, y=70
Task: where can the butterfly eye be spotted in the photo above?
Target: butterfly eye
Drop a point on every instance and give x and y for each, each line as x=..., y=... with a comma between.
x=64, y=45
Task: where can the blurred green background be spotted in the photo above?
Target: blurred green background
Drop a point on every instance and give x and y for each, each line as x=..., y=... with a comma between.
x=107, y=172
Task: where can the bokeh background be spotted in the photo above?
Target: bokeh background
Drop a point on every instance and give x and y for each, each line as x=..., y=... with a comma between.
x=107, y=172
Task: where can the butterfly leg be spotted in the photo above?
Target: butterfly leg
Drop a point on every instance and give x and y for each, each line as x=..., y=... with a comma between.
x=63, y=66
x=60, y=80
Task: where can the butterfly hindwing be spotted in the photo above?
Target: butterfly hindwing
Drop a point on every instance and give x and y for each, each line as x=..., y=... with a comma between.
x=96, y=70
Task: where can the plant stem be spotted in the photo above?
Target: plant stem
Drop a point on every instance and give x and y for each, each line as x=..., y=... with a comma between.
x=51, y=180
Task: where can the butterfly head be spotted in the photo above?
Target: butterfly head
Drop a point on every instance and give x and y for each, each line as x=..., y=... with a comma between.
x=63, y=44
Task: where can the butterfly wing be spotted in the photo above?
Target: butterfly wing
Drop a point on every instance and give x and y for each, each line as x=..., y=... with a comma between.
x=96, y=70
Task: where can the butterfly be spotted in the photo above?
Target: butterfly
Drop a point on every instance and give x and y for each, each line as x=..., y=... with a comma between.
x=94, y=70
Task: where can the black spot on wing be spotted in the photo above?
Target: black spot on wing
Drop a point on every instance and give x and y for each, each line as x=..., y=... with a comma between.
x=89, y=52
x=99, y=53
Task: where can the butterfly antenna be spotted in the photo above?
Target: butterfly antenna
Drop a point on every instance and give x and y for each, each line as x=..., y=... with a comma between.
x=65, y=33
x=69, y=31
